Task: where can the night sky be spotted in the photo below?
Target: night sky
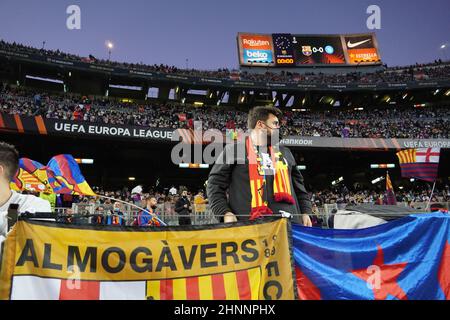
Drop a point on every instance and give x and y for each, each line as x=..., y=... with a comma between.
x=204, y=31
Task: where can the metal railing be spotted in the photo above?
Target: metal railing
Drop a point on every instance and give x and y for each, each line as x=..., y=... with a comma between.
x=201, y=214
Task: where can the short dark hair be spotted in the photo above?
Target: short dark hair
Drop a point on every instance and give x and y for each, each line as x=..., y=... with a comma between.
x=261, y=113
x=9, y=159
x=182, y=189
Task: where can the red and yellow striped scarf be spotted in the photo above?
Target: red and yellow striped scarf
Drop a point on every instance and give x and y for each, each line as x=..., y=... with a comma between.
x=281, y=181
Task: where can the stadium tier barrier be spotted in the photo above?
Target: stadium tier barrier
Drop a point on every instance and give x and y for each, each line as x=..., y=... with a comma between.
x=201, y=215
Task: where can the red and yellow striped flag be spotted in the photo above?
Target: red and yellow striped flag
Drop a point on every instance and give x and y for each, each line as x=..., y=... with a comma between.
x=407, y=156
x=238, y=285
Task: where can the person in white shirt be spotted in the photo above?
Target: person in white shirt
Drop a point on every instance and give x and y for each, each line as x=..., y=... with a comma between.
x=9, y=164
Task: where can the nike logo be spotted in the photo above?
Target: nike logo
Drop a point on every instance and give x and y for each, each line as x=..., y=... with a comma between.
x=352, y=45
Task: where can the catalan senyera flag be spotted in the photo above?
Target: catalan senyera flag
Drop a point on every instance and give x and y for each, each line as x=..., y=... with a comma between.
x=421, y=163
x=235, y=285
x=62, y=175
x=245, y=261
x=389, y=197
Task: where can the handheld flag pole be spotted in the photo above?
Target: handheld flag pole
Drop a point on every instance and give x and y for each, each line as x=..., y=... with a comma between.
x=133, y=205
x=431, y=196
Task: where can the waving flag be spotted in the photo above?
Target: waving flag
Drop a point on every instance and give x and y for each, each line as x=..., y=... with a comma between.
x=68, y=174
x=389, y=261
x=389, y=197
x=62, y=175
x=35, y=173
x=420, y=163
x=25, y=181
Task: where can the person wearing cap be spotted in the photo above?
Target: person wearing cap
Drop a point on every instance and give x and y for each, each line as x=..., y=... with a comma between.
x=136, y=194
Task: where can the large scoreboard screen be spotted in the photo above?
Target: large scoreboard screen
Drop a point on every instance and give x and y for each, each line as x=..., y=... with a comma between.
x=318, y=50
x=291, y=50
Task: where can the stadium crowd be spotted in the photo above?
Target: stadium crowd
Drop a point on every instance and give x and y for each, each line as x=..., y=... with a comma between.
x=437, y=70
x=337, y=195
x=375, y=197
x=433, y=122
x=110, y=207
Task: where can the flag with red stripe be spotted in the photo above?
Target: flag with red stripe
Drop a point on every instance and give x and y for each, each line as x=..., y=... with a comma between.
x=389, y=197
x=237, y=285
x=245, y=261
x=421, y=163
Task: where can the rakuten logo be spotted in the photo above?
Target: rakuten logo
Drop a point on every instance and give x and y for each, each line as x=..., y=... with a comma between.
x=255, y=43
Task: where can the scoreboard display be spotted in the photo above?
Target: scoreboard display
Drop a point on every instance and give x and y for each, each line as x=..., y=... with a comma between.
x=318, y=50
x=293, y=50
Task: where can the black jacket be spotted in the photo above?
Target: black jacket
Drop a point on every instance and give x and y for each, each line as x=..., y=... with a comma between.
x=180, y=209
x=230, y=174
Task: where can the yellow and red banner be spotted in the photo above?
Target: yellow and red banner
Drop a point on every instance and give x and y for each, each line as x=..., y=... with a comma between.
x=242, y=261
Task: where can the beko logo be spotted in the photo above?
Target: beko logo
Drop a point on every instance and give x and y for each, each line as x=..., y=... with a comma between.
x=255, y=43
x=257, y=54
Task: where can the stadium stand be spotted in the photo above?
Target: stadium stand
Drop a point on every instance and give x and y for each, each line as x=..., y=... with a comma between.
x=433, y=122
x=433, y=71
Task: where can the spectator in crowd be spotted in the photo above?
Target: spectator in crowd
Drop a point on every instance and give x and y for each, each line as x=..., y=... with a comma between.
x=116, y=217
x=98, y=218
x=200, y=202
x=169, y=206
x=228, y=173
x=316, y=219
x=136, y=195
x=146, y=217
x=199, y=198
x=50, y=197
x=183, y=208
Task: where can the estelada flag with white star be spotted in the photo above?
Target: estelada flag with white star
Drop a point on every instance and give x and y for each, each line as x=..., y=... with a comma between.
x=386, y=262
x=419, y=163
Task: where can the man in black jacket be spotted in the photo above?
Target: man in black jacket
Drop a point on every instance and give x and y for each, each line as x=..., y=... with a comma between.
x=183, y=208
x=255, y=190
